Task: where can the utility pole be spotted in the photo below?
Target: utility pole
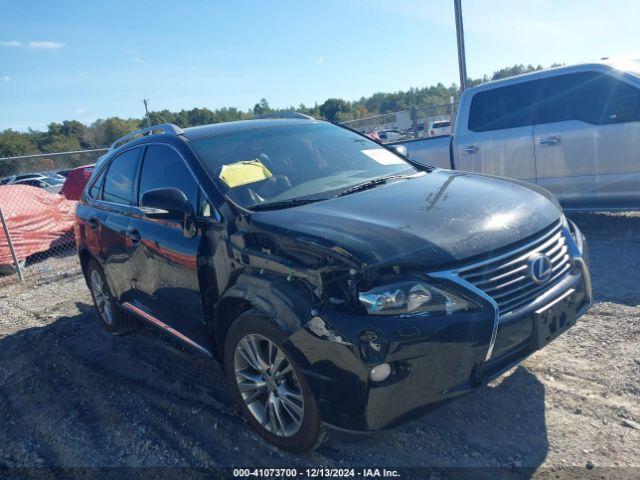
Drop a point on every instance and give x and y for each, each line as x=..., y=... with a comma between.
x=146, y=109
x=462, y=62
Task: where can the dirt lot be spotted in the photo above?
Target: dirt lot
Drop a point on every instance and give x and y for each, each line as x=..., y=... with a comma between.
x=73, y=396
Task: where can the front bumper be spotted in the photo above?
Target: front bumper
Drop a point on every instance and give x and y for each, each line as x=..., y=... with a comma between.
x=433, y=359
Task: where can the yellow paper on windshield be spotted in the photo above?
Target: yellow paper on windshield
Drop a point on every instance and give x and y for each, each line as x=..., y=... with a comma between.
x=244, y=173
x=382, y=156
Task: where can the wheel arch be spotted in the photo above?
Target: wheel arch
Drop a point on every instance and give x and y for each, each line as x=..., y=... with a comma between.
x=287, y=304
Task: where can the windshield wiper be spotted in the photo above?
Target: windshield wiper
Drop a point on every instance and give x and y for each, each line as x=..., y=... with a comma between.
x=294, y=202
x=370, y=184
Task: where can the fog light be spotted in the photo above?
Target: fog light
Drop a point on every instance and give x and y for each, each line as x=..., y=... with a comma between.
x=380, y=373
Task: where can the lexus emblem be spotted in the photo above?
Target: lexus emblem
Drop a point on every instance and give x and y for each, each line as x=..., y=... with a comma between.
x=540, y=268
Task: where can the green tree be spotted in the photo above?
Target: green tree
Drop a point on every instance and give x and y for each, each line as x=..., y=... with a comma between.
x=73, y=135
x=261, y=107
x=333, y=107
x=13, y=144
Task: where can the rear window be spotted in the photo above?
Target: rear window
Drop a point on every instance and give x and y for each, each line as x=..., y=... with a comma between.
x=441, y=124
x=505, y=107
x=96, y=187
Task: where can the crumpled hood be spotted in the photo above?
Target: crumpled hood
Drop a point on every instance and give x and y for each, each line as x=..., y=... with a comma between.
x=434, y=220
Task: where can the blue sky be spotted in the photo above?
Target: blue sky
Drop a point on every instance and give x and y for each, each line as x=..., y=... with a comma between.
x=85, y=60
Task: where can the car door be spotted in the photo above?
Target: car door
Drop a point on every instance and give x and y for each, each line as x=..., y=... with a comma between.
x=618, y=150
x=166, y=259
x=113, y=195
x=498, y=137
x=587, y=139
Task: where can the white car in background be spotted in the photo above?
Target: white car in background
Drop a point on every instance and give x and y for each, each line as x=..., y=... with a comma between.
x=440, y=128
x=388, y=136
x=52, y=183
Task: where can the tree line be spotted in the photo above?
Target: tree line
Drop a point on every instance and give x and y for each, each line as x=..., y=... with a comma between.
x=73, y=135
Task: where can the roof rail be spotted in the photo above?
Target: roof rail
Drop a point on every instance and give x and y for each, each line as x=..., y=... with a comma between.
x=283, y=114
x=168, y=128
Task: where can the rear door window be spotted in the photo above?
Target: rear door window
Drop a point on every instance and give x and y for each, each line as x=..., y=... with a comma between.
x=511, y=106
x=120, y=178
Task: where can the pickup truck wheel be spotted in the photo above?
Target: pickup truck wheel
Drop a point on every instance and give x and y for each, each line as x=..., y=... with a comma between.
x=113, y=319
x=269, y=387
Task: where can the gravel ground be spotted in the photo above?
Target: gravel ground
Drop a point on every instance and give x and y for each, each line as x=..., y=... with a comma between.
x=71, y=395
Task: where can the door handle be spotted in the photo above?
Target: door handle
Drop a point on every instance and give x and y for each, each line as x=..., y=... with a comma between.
x=549, y=141
x=133, y=235
x=470, y=149
x=93, y=224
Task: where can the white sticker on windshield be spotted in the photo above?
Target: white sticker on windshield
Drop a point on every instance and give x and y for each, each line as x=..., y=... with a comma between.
x=382, y=156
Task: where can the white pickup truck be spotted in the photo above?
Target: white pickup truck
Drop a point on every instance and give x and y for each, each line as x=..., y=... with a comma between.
x=573, y=130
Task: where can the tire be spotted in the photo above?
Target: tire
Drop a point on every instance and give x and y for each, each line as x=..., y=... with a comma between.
x=113, y=318
x=297, y=430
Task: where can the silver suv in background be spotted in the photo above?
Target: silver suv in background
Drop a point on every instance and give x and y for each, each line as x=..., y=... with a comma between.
x=573, y=130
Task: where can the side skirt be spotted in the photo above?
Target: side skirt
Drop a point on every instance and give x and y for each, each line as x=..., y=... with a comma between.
x=143, y=314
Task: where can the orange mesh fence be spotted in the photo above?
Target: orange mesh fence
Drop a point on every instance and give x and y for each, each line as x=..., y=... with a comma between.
x=38, y=207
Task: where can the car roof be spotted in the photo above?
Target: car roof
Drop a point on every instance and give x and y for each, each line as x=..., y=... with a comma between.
x=205, y=131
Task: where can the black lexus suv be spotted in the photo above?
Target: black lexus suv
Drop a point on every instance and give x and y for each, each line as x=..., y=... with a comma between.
x=339, y=285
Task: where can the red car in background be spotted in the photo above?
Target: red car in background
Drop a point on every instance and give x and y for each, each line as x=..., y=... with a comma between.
x=76, y=181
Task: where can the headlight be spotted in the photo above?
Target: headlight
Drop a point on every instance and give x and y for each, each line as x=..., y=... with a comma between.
x=411, y=298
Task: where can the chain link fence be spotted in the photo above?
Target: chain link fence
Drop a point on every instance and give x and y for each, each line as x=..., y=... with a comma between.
x=407, y=124
x=38, y=197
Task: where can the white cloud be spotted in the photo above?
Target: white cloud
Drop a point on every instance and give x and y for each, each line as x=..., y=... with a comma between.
x=319, y=60
x=81, y=110
x=6, y=78
x=33, y=44
x=138, y=60
x=46, y=45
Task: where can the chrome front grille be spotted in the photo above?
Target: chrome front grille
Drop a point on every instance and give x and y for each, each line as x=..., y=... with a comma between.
x=506, y=278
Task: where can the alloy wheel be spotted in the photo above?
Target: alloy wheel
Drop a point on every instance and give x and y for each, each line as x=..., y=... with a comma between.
x=268, y=385
x=101, y=297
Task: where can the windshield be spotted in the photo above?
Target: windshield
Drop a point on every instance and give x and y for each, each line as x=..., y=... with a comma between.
x=311, y=161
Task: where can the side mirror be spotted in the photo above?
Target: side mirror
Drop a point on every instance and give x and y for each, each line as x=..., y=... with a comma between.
x=166, y=204
x=400, y=150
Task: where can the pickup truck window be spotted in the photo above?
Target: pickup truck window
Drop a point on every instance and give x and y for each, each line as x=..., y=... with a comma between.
x=504, y=107
x=592, y=97
x=624, y=104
